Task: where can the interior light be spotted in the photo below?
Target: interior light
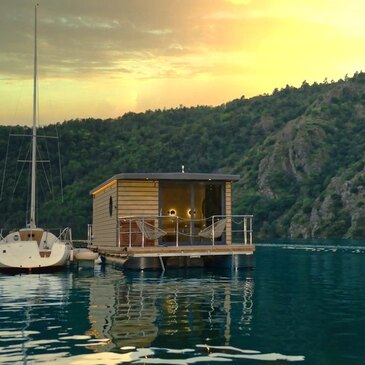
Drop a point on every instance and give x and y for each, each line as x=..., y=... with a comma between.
x=172, y=212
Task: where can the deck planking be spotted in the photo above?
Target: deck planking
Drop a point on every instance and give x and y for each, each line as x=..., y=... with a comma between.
x=173, y=251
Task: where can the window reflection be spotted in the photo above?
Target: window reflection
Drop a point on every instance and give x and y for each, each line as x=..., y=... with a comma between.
x=189, y=208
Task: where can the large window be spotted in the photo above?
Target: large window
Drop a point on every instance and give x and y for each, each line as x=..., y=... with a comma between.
x=189, y=208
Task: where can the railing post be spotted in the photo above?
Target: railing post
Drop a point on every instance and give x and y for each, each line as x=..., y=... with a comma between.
x=177, y=231
x=130, y=232
x=143, y=232
x=118, y=230
x=155, y=224
x=213, y=231
x=251, y=230
x=89, y=233
x=245, y=230
x=70, y=234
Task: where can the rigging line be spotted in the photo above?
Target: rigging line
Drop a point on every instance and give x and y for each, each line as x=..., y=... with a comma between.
x=4, y=172
x=59, y=163
x=28, y=195
x=44, y=170
x=19, y=153
x=41, y=190
x=18, y=158
x=50, y=170
x=21, y=171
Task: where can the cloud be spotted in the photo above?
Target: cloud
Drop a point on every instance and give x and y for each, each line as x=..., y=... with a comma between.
x=129, y=45
x=78, y=39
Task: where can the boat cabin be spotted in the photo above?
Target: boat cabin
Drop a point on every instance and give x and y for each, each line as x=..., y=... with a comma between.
x=161, y=210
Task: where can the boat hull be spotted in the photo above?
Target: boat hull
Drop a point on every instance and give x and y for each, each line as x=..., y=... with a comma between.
x=26, y=256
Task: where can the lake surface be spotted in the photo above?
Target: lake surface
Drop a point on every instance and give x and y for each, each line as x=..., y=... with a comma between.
x=300, y=304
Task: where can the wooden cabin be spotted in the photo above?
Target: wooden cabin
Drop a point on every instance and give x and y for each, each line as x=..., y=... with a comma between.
x=158, y=214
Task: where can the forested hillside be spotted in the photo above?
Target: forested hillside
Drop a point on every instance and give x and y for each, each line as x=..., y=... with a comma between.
x=300, y=153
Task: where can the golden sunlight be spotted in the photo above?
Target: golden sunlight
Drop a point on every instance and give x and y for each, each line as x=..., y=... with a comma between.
x=98, y=61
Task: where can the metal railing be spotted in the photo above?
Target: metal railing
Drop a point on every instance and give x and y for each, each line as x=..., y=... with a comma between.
x=66, y=235
x=89, y=234
x=142, y=231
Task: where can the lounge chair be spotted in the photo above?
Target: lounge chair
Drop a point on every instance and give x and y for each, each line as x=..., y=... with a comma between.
x=149, y=231
x=215, y=230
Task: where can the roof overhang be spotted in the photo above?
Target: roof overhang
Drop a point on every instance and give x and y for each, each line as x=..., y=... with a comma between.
x=165, y=176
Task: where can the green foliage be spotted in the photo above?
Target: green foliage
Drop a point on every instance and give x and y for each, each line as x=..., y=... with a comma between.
x=326, y=123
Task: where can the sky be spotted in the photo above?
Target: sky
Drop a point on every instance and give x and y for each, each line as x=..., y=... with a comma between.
x=103, y=58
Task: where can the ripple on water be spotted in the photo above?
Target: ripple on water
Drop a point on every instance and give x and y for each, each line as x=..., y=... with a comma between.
x=156, y=355
x=278, y=313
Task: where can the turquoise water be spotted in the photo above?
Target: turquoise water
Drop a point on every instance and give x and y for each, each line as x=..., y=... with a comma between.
x=300, y=304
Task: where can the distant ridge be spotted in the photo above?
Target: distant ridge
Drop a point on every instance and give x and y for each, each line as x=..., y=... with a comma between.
x=300, y=153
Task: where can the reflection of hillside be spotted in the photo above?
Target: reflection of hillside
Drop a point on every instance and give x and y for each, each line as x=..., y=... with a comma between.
x=144, y=310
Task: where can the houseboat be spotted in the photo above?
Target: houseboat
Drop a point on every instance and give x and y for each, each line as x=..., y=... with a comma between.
x=162, y=220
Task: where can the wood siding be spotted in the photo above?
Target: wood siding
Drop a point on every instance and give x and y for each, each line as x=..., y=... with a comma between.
x=228, y=213
x=137, y=198
x=104, y=224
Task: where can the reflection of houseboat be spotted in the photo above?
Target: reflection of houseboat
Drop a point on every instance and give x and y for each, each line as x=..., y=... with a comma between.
x=122, y=312
x=159, y=220
x=149, y=309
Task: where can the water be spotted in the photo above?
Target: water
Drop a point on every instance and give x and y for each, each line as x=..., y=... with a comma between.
x=301, y=304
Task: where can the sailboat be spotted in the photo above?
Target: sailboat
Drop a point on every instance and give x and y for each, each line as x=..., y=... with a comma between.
x=33, y=248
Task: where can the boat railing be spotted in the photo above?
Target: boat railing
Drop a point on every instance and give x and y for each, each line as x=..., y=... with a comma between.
x=66, y=235
x=144, y=231
x=89, y=234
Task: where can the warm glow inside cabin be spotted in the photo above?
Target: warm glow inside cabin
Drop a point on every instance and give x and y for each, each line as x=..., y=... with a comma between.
x=167, y=209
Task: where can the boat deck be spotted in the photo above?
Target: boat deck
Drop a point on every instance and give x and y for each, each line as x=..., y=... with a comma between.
x=143, y=244
x=173, y=251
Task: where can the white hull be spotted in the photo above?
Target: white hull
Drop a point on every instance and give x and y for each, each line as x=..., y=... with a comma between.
x=16, y=253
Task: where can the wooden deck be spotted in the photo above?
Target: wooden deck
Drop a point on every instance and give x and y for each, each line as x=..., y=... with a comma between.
x=181, y=251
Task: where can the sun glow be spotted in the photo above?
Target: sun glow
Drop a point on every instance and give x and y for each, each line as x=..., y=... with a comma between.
x=124, y=57
x=239, y=2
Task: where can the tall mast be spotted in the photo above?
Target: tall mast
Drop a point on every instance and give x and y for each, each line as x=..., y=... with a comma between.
x=34, y=130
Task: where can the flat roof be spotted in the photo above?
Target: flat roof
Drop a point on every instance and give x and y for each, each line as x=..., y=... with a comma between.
x=171, y=176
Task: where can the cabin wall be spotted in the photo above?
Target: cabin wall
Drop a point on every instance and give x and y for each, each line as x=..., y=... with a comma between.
x=105, y=217
x=229, y=212
x=137, y=198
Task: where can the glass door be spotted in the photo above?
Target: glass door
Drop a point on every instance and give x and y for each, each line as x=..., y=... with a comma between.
x=188, y=208
x=175, y=206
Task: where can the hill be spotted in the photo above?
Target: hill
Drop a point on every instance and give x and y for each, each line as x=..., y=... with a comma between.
x=299, y=152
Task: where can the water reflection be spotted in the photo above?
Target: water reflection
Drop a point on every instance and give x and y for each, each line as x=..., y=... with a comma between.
x=83, y=314
x=145, y=309
x=297, y=305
